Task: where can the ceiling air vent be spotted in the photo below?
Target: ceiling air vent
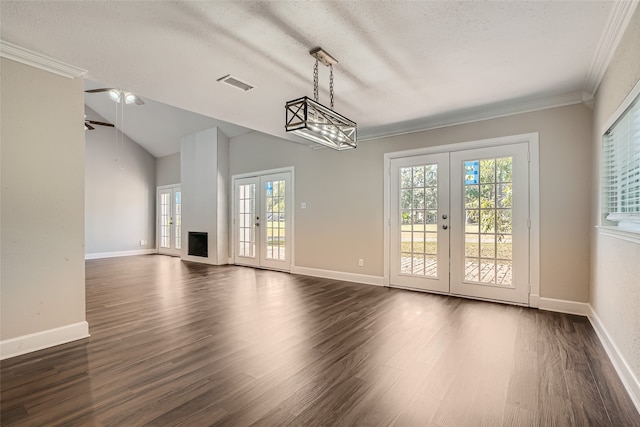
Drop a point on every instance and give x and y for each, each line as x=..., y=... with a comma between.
x=230, y=80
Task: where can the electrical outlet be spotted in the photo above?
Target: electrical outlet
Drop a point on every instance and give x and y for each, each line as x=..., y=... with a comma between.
x=142, y=243
x=303, y=205
x=360, y=262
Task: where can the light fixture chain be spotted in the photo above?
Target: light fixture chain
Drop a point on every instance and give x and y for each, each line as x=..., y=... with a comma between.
x=315, y=81
x=331, y=84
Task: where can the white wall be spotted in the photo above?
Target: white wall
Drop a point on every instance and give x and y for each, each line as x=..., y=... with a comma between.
x=42, y=204
x=120, y=191
x=615, y=280
x=343, y=192
x=168, y=170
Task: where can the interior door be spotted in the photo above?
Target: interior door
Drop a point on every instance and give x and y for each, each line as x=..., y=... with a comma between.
x=169, y=215
x=262, y=221
x=419, y=222
x=459, y=223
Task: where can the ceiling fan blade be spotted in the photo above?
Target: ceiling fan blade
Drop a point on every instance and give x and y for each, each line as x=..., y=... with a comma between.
x=139, y=101
x=104, y=89
x=88, y=126
x=93, y=122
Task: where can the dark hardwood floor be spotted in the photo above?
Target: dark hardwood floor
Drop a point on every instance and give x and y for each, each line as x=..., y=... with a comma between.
x=176, y=343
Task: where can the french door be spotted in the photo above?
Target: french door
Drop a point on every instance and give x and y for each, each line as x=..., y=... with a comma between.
x=459, y=223
x=262, y=221
x=169, y=213
x=420, y=231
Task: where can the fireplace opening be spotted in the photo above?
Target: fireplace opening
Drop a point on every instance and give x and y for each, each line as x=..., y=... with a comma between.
x=199, y=243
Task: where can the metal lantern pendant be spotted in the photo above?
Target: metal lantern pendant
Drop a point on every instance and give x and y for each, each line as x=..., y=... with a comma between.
x=311, y=120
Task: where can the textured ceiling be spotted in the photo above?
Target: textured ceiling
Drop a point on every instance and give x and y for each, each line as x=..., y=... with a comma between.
x=398, y=61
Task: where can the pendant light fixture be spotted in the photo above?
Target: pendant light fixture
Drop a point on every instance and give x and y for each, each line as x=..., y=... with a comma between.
x=311, y=120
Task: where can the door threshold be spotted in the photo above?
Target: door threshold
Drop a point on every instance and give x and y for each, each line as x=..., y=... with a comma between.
x=449, y=294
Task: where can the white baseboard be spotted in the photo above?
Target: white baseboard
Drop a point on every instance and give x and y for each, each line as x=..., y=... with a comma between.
x=120, y=253
x=44, y=339
x=339, y=275
x=564, y=306
x=630, y=382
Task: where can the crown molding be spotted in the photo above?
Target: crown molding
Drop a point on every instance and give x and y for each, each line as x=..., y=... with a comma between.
x=37, y=60
x=617, y=22
x=470, y=115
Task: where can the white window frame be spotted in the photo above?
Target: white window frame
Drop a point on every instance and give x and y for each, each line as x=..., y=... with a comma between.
x=621, y=226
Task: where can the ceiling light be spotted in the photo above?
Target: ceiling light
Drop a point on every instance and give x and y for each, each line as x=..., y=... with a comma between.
x=115, y=95
x=129, y=98
x=311, y=120
x=118, y=95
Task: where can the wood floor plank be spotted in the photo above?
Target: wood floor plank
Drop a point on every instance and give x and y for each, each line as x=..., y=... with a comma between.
x=178, y=343
x=587, y=405
x=620, y=412
x=522, y=392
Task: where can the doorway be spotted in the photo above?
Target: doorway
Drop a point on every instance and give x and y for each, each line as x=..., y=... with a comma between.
x=459, y=221
x=262, y=220
x=169, y=217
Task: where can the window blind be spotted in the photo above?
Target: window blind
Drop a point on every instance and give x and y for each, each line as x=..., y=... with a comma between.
x=621, y=169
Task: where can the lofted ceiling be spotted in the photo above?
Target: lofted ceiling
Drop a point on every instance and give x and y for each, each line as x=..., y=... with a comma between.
x=403, y=66
x=155, y=126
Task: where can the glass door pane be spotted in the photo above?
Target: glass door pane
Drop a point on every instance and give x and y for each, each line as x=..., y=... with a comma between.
x=488, y=227
x=164, y=222
x=275, y=192
x=178, y=219
x=247, y=221
x=419, y=228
